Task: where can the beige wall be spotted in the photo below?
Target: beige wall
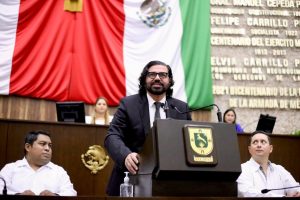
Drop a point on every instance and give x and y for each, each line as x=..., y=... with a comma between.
x=255, y=45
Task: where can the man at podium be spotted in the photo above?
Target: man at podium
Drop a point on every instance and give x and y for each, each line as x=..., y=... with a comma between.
x=135, y=116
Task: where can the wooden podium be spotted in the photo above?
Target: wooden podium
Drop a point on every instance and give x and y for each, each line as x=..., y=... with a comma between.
x=165, y=171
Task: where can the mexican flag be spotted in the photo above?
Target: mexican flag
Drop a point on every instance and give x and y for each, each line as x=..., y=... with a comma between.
x=51, y=53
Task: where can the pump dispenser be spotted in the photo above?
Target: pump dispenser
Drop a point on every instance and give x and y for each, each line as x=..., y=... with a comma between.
x=126, y=189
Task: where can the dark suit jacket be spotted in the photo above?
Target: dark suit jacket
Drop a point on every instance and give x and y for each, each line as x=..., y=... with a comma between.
x=128, y=131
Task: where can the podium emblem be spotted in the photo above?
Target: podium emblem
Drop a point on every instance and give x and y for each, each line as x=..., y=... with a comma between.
x=201, y=141
x=199, y=145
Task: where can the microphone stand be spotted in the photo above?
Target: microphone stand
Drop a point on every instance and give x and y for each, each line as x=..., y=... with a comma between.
x=268, y=190
x=165, y=106
x=219, y=114
x=4, y=191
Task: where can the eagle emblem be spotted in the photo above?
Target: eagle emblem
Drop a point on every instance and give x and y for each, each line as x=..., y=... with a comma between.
x=154, y=13
x=95, y=158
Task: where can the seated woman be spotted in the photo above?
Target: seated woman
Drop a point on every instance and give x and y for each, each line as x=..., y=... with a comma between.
x=101, y=114
x=230, y=118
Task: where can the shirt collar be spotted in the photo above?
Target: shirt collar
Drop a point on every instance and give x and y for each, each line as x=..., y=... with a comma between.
x=24, y=163
x=151, y=101
x=255, y=166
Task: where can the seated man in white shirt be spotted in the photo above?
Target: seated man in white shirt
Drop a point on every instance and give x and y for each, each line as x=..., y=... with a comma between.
x=259, y=173
x=35, y=174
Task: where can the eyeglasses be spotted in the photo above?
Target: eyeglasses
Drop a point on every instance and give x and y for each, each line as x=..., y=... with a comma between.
x=161, y=75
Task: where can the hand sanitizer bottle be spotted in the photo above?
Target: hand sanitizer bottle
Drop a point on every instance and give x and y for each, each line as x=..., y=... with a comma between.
x=126, y=189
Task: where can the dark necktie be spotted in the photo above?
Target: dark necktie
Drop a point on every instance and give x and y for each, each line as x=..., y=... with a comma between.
x=157, y=107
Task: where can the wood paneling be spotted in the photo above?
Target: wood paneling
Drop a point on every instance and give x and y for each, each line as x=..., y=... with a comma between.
x=3, y=143
x=15, y=107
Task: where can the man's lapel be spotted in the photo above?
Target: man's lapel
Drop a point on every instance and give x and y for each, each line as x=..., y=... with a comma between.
x=144, y=113
x=172, y=112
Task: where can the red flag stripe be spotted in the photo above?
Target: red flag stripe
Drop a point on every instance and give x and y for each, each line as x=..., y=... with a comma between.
x=62, y=56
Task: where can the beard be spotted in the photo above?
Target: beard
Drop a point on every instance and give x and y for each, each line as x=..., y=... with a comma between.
x=156, y=88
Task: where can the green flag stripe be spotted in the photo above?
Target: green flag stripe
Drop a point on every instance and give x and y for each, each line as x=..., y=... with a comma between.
x=195, y=52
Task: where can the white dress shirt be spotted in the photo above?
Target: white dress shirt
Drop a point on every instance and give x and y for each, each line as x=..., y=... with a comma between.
x=20, y=176
x=152, y=109
x=252, y=180
x=88, y=120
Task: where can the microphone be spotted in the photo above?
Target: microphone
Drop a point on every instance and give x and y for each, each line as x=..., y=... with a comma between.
x=4, y=191
x=165, y=106
x=284, y=188
x=219, y=114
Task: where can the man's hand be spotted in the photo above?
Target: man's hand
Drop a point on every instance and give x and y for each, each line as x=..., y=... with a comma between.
x=297, y=194
x=26, y=192
x=131, y=162
x=47, y=193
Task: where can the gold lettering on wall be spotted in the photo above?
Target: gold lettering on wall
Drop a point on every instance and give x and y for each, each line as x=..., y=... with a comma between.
x=255, y=43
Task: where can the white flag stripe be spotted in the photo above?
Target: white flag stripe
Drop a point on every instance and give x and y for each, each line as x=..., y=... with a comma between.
x=8, y=28
x=143, y=44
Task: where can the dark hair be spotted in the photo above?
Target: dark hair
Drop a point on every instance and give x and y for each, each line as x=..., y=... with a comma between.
x=260, y=132
x=32, y=136
x=228, y=110
x=142, y=79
